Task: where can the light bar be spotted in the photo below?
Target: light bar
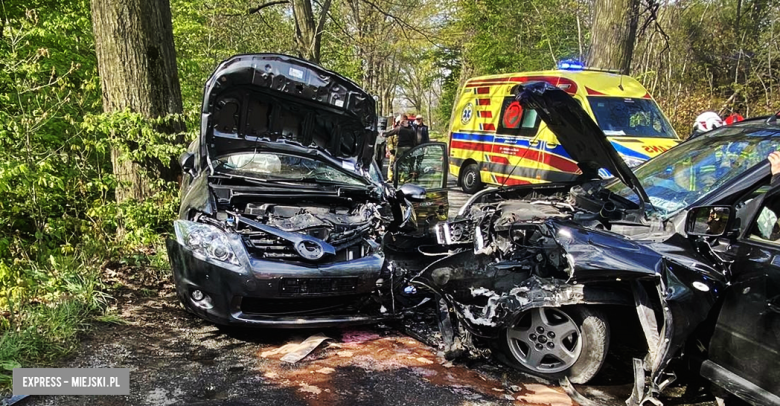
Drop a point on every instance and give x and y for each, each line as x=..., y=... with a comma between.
x=570, y=65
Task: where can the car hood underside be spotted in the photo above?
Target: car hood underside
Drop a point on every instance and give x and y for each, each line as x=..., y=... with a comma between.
x=254, y=101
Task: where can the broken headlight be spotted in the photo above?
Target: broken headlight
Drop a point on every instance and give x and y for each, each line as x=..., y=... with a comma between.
x=205, y=240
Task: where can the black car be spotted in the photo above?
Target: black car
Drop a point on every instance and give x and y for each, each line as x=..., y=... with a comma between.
x=284, y=211
x=535, y=270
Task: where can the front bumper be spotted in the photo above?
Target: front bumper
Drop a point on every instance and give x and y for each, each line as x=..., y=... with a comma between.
x=282, y=294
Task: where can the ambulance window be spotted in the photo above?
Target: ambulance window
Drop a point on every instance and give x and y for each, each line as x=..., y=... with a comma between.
x=618, y=116
x=515, y=120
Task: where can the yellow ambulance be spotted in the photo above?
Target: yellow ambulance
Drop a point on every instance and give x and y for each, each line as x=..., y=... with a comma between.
x=494, y=141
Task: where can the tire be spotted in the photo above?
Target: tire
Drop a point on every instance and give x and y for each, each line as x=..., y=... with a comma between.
x=577, y=351
x=470, y=180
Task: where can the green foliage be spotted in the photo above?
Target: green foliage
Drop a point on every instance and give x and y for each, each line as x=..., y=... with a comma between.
x=207, y=32
x=501, y=36
x=59, y=220
x=711, y=55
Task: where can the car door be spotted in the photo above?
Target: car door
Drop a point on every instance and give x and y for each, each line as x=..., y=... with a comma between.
x=426, y=166
x=745, y=347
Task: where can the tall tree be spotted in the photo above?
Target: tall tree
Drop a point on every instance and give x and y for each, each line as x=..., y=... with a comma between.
x=308, y=31
x=613, y=34
x=137, y=66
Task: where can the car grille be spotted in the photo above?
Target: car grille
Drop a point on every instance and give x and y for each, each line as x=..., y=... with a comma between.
x=349, y=245
x=317, y=286
x=293, y=306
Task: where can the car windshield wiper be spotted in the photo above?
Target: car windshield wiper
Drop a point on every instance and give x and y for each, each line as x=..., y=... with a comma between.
x=312, y=179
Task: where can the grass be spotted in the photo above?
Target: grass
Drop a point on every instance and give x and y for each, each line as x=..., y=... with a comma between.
x=111, y=319
x=41, y=334
x=45, y=304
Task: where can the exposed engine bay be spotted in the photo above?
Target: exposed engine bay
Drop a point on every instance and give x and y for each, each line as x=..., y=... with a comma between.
x=497, y=222
x=346, y=233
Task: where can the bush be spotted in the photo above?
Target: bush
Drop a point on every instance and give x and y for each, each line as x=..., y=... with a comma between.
x=59, y=220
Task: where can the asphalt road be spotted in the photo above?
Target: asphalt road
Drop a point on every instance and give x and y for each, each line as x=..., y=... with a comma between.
x=178, y=359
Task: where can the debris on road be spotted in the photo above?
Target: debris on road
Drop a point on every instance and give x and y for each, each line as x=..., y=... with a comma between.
x=305, y=348
x=296, y=352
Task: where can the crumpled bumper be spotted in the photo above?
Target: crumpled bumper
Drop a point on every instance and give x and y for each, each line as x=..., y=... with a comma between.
x=280, y=294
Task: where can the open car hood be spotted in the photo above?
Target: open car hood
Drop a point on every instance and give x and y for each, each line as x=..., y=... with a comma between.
x=578, y=134
x=262, y=101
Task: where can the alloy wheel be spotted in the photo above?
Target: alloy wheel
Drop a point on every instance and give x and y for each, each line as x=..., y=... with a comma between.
x=545, y=340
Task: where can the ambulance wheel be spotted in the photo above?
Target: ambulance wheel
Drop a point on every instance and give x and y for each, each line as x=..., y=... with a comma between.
x=470, y=180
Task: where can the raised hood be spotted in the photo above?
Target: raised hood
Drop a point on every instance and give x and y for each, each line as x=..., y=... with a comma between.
x=268, y=101
x=578, y=134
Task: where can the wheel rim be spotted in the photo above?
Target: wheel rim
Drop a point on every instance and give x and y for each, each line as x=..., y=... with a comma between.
x=469, y=179
x=545, y=340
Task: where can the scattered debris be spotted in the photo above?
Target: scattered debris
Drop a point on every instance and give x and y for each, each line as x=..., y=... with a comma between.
x=305, y=348
x=326, y=370
x=345, y=354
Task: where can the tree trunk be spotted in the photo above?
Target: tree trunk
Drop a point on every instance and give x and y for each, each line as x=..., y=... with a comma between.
x=137, y=66
x=308, y=32
x=614, y=32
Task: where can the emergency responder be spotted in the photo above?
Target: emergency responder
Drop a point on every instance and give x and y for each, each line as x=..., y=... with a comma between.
x=707, y=121
x=399, y=140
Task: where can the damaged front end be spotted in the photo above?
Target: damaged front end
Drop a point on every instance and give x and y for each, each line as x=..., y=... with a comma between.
x=536, y=272
x=281, y=222
x=282, y=262
x=499, y=294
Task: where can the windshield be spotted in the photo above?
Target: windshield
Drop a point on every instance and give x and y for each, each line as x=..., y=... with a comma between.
x=618, y=117
x=281, y=167
x=693, y=169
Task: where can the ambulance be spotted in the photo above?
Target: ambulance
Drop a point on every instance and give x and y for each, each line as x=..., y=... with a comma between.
x=493, y=141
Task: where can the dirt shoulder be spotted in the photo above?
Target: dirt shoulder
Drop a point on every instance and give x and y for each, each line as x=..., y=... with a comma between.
x=176, y=358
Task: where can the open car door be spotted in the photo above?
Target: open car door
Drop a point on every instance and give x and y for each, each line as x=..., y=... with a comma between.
x=426, y=166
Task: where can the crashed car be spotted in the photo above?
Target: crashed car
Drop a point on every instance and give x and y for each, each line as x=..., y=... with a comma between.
x=534, y=270
x=284, y=211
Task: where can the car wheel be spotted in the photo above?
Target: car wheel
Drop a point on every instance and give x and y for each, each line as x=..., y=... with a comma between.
x=470, y=180
x=557, y=342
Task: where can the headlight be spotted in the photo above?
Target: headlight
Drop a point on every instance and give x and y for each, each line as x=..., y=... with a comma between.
x=205, y=240
x=632, y=161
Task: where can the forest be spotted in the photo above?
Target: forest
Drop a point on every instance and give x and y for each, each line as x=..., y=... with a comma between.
x=88, y=178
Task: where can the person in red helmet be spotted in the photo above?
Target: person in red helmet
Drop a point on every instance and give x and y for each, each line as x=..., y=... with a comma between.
x=732, y=118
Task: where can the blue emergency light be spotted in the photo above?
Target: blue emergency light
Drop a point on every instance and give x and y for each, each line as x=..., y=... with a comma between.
x=570, y=65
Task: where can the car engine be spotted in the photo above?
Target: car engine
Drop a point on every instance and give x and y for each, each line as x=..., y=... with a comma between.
x=305, y=232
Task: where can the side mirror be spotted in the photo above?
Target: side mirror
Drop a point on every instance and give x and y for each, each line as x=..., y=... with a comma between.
x=413, y=192
x=709, y=221
x=187, y=161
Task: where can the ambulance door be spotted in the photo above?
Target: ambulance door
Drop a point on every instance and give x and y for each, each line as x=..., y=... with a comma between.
x=514, y=159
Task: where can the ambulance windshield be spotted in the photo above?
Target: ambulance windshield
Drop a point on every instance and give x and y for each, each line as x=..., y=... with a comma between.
x=626, y=117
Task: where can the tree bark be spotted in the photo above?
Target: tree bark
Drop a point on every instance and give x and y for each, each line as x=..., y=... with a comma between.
x=613, y=32
x=308, y=32
x=137, y=66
